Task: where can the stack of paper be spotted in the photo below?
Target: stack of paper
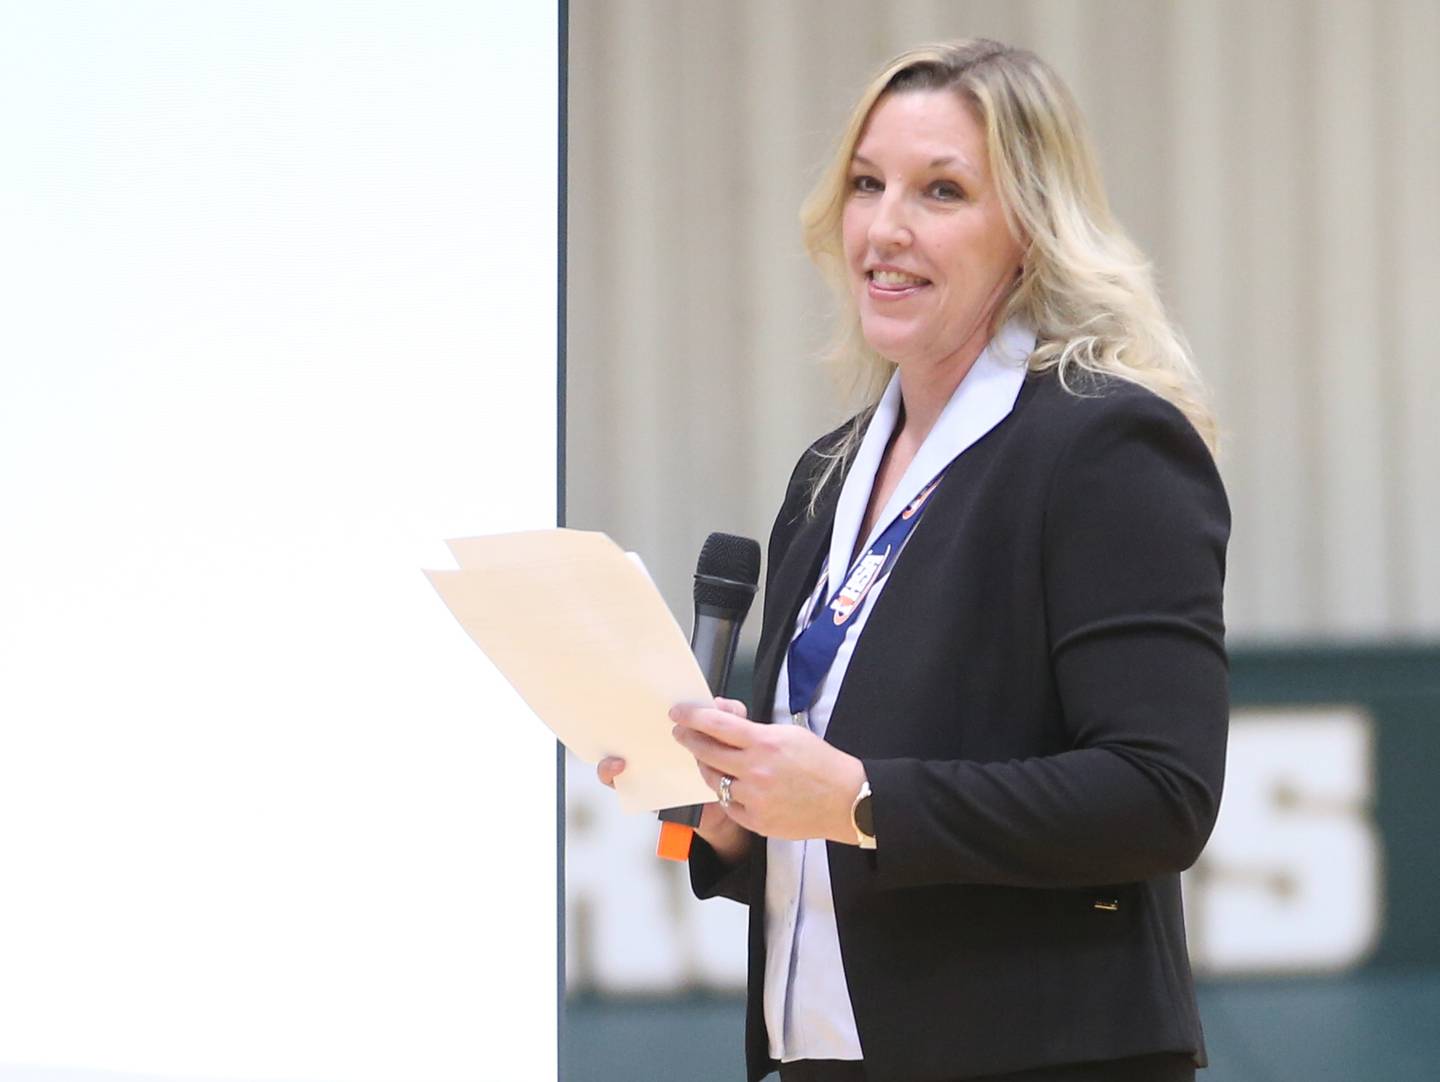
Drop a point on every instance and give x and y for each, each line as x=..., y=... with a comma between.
x=579, y=630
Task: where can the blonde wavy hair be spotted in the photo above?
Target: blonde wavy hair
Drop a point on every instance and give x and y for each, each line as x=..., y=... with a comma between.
x=1084, y=286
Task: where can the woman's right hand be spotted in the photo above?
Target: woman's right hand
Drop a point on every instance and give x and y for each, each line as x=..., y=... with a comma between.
x=728, y=838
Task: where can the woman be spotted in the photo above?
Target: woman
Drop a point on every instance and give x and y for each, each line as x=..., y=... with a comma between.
x=991, y=679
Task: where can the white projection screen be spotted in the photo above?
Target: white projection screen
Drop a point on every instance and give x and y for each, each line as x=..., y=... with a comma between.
x=279, y=317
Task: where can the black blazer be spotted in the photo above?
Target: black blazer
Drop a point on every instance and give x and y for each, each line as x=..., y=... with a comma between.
x=1040, y=699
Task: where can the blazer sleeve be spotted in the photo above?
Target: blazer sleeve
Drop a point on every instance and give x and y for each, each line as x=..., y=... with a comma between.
x=1133, y=543
x=710, y=877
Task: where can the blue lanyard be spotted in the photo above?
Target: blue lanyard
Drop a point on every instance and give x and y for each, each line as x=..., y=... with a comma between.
x=813, y=651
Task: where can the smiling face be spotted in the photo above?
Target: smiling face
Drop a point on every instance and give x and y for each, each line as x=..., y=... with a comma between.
x=928, y=250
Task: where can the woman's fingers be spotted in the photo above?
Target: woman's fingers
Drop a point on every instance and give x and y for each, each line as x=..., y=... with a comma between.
x=725, y=726
x=732, y=706
x=708, y=751
x=608, y=768
x=712, y=776
x=713, y=779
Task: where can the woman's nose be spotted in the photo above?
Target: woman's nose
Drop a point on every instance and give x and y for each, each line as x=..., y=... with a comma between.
x=890, y=227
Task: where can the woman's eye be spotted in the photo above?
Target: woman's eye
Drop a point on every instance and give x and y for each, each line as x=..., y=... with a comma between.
x=864, y=183
x=944, y=189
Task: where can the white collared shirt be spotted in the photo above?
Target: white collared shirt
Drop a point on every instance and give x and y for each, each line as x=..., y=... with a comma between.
x=807, y=1002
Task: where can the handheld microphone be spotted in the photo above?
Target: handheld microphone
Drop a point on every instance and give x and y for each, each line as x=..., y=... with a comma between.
x=725, y=579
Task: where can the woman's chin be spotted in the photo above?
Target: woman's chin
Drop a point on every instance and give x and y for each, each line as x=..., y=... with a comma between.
x=892, y=341
x=898, y=349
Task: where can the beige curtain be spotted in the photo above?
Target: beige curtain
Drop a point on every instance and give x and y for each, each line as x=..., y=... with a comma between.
x=1280, y=161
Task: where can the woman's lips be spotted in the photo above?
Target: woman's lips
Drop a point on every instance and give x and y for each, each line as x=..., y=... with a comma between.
x=894, y=285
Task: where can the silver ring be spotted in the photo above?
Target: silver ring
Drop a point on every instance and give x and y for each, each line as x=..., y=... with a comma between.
x=725, y=784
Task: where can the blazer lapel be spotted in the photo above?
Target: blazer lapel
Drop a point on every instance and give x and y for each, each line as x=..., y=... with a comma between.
x=790, y=584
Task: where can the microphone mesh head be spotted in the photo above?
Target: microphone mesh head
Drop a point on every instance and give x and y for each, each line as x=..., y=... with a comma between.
x=736, y=561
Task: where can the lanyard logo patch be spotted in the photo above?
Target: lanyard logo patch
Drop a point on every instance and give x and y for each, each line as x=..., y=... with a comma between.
x=857, y=585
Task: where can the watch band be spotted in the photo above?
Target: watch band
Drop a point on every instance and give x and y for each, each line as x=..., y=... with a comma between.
x=862, y=817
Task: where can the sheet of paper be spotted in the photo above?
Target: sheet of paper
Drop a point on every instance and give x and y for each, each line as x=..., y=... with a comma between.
x=579, y=630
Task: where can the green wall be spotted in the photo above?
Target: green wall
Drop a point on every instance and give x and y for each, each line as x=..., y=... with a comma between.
x=1380, y=1020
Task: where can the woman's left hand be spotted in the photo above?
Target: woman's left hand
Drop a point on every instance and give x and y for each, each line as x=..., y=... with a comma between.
x=788, y=782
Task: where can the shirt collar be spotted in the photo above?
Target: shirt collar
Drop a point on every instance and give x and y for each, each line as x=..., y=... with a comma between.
x=983, y=399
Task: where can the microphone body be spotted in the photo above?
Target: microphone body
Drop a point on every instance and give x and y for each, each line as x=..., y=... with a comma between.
x=726, y=577
x=713, y=642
